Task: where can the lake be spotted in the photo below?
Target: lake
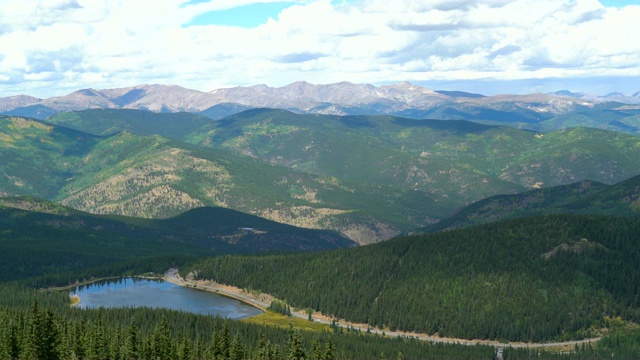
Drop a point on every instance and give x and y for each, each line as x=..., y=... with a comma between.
x=129, y=292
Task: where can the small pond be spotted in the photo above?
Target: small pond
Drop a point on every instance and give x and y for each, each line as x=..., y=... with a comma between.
x=130, y=292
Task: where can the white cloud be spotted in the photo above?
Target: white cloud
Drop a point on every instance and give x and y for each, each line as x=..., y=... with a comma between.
x=52, y=47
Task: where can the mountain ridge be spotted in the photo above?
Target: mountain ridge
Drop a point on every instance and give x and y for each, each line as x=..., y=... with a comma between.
x=301, y=96
x=583, y=197
x=207, y=227
x=538, y=112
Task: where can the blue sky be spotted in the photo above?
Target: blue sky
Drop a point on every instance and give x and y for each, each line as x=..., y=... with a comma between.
x=250, y=15
x=54, y=47
x=242, y=16
x=618, y=3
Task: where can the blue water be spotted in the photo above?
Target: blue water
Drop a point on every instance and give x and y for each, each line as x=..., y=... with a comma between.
x=130, y=292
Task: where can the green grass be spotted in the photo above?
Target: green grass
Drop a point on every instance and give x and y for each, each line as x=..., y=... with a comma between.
x=270, y=318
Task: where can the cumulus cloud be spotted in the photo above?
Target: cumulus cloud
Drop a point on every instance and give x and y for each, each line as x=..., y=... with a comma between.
x=49, y=47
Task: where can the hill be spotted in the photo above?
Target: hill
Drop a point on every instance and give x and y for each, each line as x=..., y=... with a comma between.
x=111, y=121
x=368, y=177
x=71, y=239
x=459, y=160
x=151, y=176
x=532, y=279
x=442, y=158
x=584, y=197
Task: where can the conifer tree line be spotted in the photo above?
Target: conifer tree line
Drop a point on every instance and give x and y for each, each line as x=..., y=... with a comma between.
x=280, y=307
x=41, y=333
x=113, y=333
x=544, y=278
x=499, y=281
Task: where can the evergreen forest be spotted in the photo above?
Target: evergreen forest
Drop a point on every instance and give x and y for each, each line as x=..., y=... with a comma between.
x=545, y=278
x=106, y=194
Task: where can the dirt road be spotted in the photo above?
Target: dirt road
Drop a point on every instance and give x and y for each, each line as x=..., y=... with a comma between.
x=263, y=303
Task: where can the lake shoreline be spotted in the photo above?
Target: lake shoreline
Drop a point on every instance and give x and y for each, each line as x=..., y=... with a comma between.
x=151, y=293
x=265, y=300
x=261, y=303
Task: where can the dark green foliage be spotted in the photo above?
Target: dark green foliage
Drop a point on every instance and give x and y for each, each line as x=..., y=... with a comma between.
x=438, y=157
x=140, y=122
x=62, y=248
x=379, y=174
x=280, y=307
x=154, y=177
x=584, y=197
x=529, y=279
x=160, y=334
x=296, y=347
x=38, y=111
x=220, y=111
x=64, y=243
x=156, y=333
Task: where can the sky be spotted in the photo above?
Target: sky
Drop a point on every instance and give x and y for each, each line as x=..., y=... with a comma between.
x=53, y=47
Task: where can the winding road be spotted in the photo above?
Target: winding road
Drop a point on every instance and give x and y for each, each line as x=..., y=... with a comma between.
x=172, y=276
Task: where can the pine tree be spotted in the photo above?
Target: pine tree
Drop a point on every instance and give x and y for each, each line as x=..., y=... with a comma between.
x=214, y=349
x=237, y=348
x=330, y=350
x=9, y=346
x=131, y=342
x=43, y=340
x=185, y=350
x=316, y=349
x=263, y=347
x=296, y=347
x=225, y=340
x=162, y=342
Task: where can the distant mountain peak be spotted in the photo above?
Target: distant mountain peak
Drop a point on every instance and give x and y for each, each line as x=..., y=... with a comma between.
x=12, y=102
x=405, y=85
x=568, y=93
x=342, y=98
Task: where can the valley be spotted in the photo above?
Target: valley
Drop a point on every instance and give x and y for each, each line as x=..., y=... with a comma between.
x=401, y=235
x=368, y=177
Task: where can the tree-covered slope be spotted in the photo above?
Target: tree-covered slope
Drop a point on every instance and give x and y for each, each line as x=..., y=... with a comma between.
x=49, y=329
x=38, y=237
x=461, y=160
x=154, y=177
x=368, y=177
x=540, y=278
x=584, y=197
x=39, y=159
x=609, y=116
x=140, y=122
x=151, y=176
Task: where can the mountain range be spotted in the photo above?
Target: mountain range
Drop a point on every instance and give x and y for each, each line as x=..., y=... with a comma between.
x=368, y=177
x=543, y=112
x=513, y=218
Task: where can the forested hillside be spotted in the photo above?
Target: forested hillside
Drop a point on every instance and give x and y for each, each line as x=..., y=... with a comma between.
x=584, y=197
x=152, y=176
x=40, y=325
x=39, y=236
x=460, y=160
x=533, y=279
x=367, y=177
x=48, y=329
